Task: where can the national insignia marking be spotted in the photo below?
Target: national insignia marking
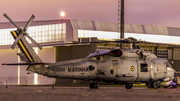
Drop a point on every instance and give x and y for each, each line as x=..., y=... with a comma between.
x=132, y=68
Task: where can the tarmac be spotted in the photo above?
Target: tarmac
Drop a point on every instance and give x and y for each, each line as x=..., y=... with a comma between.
x=30, y=93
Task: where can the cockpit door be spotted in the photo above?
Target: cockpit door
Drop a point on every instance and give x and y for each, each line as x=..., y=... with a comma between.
x=144, y=70
x=116, y=67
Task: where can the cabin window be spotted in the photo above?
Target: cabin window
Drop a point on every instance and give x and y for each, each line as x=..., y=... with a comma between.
x=98, y=58
x=144, y=68
x=112, y=72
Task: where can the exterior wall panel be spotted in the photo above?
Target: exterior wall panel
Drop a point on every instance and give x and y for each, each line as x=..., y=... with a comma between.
x=46, y=55
x=26, y=78
x=8, y=73
x=69, y=32
x=73, y=52
x=75, y=35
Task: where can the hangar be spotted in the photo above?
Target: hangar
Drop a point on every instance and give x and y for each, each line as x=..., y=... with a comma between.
x=52, y=33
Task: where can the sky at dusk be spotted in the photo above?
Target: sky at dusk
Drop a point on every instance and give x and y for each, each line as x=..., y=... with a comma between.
x=146, y=12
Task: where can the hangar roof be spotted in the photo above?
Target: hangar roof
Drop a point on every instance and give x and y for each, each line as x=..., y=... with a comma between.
x=104, y=26
x=129, y=28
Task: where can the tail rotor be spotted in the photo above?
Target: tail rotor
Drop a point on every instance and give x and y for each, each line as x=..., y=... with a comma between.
x=22, y=31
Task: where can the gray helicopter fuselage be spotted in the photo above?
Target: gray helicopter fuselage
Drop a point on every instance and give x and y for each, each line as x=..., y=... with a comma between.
x=121, y=69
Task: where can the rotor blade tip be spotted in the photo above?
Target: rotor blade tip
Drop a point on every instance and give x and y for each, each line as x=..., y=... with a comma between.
x=12, y=47
x=33, y=16
x=4, y=14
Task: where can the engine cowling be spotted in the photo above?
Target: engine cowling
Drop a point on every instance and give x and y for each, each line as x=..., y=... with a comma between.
x=133, y=53
x=116, y=53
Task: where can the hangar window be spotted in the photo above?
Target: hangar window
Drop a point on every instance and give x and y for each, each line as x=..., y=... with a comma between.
x=40, y=33
x=149, y=50
x=105, y=48
x=100, y=58
x=162, y=53
x=144, y=67
x=177, y=54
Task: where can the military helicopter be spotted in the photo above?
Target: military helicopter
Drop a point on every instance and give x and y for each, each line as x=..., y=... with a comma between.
x=125, y=66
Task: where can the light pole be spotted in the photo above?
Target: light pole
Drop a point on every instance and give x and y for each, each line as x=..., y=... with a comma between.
x=122, y=24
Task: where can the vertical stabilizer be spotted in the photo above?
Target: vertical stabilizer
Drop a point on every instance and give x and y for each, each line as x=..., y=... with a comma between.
x=29, y=54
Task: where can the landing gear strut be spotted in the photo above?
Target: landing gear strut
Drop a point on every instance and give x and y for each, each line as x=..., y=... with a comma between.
x=93, y=85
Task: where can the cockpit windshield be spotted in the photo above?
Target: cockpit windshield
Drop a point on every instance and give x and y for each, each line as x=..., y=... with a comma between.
x=168, y=66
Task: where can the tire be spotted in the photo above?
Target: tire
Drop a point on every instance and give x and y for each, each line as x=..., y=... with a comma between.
x=155, y=85
x=149, y=85
x=128, y=85
x=93, y=85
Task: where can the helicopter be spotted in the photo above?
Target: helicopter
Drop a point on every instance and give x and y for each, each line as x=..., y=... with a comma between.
x=123, y=66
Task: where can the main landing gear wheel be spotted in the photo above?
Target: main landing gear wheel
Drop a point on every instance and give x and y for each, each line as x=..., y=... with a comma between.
x=156, y=85
x=93, y=85
x=128, y=85
x=149, y=85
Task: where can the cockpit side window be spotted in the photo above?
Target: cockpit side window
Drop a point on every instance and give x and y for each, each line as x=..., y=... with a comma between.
x=144, y=67
x=168, y=66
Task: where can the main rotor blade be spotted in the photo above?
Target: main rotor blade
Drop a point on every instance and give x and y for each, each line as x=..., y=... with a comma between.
x=16, y=41
x=76, y=43
x=29, y=22
x=6, y=16
x=34, y=42
x=29, y=63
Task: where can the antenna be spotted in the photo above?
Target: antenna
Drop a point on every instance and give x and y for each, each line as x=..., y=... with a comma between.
x=119, y=17
x=121, y=20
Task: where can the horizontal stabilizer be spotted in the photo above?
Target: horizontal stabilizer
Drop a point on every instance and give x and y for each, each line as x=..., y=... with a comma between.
x=29, y=63
x=22, y=57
